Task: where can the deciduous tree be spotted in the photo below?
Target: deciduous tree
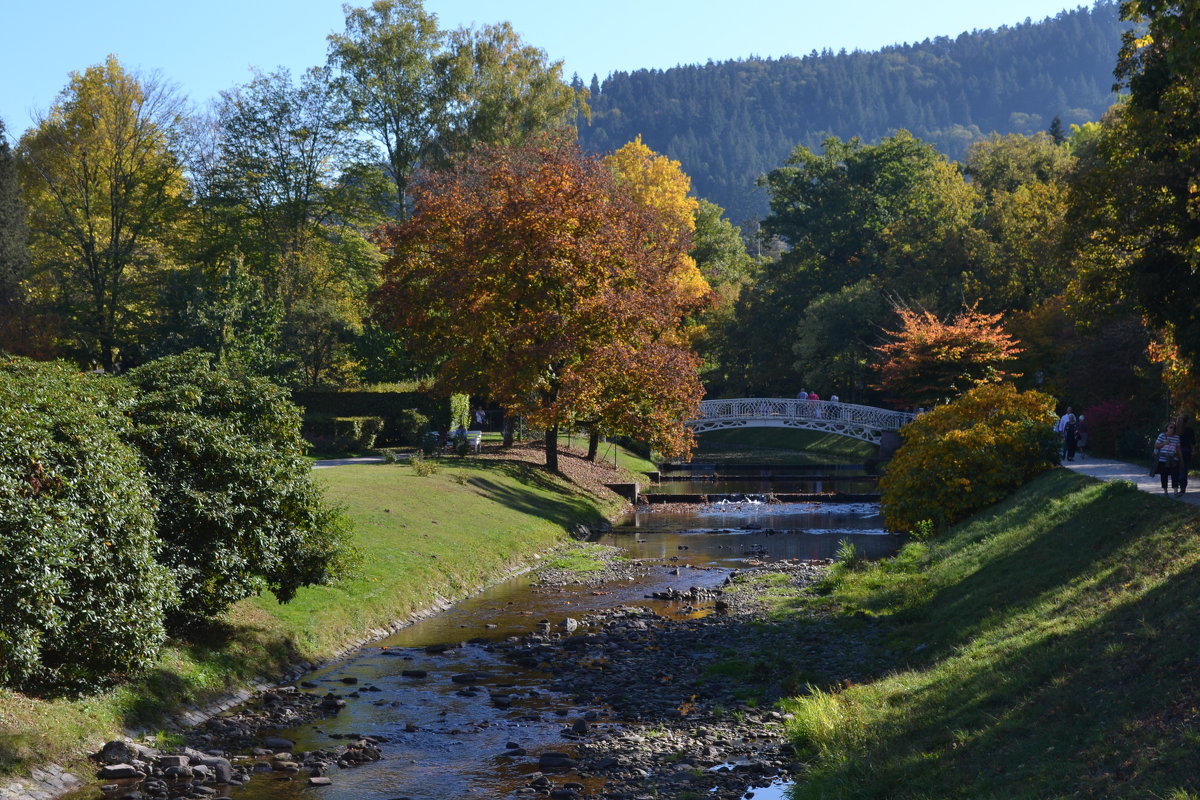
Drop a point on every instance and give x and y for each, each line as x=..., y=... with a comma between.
x=103, y=181
x=294, y=185
x=424, y=94
x=931, y=361
x=1140, y=196
x=538, y=282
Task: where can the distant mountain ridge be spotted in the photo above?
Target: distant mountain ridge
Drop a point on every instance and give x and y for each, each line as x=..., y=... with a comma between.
x=730, y=122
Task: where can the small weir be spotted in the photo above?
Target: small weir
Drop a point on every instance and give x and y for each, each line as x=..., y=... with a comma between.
x=455, y=715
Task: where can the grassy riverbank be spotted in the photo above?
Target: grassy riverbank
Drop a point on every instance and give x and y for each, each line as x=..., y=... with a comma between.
x=423, y=540
x=780, y=446
x=1045, y=648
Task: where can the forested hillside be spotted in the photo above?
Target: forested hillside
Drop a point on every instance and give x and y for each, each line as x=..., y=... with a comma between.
x=730, y=122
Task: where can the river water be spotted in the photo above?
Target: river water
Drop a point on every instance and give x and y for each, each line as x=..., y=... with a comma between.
x=443, y=739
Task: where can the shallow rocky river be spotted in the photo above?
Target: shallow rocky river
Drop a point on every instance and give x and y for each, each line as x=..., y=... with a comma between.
x=619, y=684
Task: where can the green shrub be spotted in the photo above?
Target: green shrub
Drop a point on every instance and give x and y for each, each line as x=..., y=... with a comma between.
x=411, y=425
x=81, y=596
x=357, y=433
x=422, y=467
x=239, y=512
x=961, y=457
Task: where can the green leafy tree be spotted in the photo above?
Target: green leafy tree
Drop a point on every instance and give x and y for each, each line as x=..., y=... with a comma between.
x=238, y=510
x=400, y=80
x=20, y=331
x=512, y=92
x=293, y=180
x=14, y=233
x=425, y=94
x=104, y=185
x=1024, y=185
x=897, y=214
x=834, y=340
x=1137, y=202
x=82, y=593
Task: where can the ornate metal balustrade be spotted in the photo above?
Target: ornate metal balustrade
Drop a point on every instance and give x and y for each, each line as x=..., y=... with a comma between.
x=847, y=419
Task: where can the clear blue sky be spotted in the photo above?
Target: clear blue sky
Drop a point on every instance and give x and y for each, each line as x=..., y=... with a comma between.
x=205, y=46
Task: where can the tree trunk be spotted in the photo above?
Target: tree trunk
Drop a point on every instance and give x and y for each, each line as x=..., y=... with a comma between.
x=593, y=445
x=552, y=448
x=508, y=429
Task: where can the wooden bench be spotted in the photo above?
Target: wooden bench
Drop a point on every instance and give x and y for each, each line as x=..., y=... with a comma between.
x=475, y=440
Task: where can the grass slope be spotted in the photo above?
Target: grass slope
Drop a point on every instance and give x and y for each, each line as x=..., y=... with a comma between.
x=780, y=446
x=421, y=538
x=1049, y=649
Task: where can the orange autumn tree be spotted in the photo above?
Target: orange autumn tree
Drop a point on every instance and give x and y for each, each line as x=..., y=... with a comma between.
x=931, y=361
x=530, y=276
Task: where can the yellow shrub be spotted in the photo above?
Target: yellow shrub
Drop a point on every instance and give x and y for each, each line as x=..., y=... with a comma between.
x=969, y=454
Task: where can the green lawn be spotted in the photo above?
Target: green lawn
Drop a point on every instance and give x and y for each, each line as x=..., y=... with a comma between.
x=1046, y=648
x=421, y=539
x=781, y=446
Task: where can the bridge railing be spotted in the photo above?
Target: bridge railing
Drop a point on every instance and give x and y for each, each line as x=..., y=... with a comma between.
x=774, y=408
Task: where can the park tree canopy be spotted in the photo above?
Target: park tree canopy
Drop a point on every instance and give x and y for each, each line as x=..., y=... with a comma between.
x=542, y=284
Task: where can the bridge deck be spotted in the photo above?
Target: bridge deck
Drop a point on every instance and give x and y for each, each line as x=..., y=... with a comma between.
x=866, y=423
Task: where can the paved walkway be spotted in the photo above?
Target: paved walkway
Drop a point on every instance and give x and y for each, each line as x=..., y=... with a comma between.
x=1107, y=469
x=341, y=462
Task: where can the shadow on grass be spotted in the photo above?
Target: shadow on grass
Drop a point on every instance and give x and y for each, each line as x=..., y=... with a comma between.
x=552, y=501
x=221, y=655
x=1035, y=685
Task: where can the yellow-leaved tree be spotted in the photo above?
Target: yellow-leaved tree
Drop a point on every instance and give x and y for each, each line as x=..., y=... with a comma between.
x=660, y=184
x=103, y=182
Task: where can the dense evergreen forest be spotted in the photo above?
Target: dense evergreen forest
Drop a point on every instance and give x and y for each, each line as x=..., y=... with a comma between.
x=730, y=122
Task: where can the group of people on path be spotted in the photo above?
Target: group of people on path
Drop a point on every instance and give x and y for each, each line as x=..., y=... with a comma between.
x=1074, y=432
x=1173, y=455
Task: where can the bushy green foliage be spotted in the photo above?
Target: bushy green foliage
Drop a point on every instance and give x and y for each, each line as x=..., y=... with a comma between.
x=81, y=595
x=411, y=425
x=357, y=432
x=969, y=454
x=239, y=512
x=460, y=411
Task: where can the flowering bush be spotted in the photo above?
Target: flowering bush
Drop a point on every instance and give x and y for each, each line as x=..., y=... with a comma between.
x=1106, y=423
x=969, y=454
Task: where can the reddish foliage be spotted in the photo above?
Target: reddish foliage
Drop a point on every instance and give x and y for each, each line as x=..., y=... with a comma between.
x=531, y=277
x=1106, y=422
x=932, y=361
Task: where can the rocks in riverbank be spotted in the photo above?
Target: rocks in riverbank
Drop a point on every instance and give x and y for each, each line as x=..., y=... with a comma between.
x=195, y=774
x=672, y=727
x=615, y=568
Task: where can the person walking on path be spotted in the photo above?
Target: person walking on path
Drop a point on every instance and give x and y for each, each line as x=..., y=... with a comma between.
x=1081, y=437
x=1067, y=424
x=1187, y=442
x=1166, y=458
x=1108, y=469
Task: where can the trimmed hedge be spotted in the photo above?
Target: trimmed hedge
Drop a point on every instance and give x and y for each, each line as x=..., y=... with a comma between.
x=392, y=407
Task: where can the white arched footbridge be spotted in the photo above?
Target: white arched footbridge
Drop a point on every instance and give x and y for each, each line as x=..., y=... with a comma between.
x=866, y=423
